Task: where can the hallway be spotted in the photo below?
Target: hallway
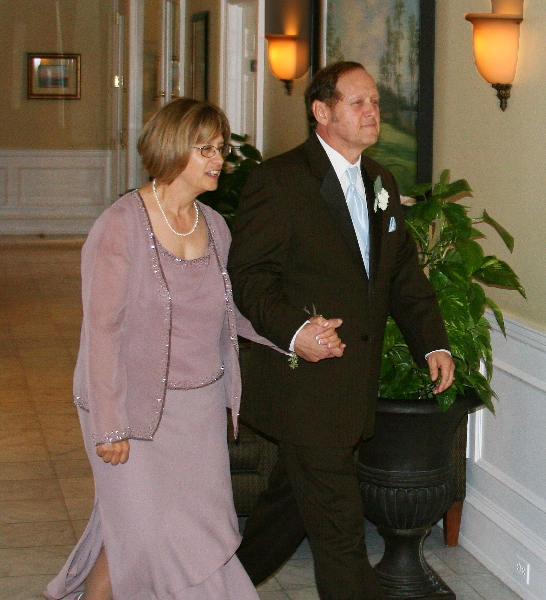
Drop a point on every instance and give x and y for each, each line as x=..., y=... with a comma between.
x=46, y=489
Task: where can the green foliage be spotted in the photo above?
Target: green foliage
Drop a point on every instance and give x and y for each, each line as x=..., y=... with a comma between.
x=237, y=166
x=457, y=268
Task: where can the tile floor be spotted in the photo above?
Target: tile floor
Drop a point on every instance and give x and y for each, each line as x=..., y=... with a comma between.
x=46, y=489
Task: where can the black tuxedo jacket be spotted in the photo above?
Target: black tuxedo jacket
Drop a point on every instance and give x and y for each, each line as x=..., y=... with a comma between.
x=294, y=251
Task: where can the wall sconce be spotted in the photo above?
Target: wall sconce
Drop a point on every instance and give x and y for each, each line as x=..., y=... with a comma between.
x=286, y=62
x=496, y=43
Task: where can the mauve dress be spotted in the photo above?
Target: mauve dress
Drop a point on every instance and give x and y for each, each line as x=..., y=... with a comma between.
x=166, y=517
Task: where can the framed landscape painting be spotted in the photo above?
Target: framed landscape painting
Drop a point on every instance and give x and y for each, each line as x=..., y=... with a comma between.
x=53, y=76
x=394, y=40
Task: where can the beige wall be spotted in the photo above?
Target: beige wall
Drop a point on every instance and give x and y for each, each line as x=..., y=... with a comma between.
x=500, y=154
x=285, y=122
x=61, y=124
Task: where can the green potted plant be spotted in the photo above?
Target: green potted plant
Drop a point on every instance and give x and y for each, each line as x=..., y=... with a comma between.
x=455, y=263
x=406, y=469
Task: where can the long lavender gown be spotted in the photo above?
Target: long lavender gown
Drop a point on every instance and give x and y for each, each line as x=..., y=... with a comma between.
x=166, y=517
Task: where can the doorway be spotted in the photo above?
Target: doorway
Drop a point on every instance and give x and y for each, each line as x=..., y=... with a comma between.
x=147, y=60
x=243, y=50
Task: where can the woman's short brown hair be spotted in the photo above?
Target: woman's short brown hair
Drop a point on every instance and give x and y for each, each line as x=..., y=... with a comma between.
x=168, y=138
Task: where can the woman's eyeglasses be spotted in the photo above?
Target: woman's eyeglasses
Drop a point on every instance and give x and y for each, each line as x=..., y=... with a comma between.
x=208, y=151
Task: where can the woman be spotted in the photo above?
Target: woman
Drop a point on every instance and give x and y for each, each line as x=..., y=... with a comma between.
x=157, y=366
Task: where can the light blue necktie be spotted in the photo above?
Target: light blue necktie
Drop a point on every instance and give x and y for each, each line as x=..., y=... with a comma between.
x=359, y=215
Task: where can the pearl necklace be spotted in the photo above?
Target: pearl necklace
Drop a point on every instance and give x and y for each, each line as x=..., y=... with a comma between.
x=167, y=220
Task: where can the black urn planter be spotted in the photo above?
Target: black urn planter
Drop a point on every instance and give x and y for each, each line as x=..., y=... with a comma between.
x=406, y=478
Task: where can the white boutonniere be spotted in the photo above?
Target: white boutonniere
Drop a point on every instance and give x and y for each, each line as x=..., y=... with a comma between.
x=381, y=195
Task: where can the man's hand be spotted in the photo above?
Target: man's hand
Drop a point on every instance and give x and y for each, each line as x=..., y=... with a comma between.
x=440, y=362
x=319, y=340
x=115, y=453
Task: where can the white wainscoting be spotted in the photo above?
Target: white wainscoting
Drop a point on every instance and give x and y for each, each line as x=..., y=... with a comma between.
x=53, y=191
x=504, y=518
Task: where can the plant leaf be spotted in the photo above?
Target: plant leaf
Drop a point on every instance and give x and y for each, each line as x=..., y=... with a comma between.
x=472, y=255
x=454, y=307
x=420, y=190
x=457, y=188
x=481, y=386
x=444, y=177
x=506, y=237
x=477, y=301
x=498, y=314
x=455, y=272
x=496, y=272
x=423, y=213
x=447, y=398
x=476, y=234
x=465, y=347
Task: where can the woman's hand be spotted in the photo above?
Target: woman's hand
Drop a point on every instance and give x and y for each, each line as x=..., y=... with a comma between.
x=115, y=453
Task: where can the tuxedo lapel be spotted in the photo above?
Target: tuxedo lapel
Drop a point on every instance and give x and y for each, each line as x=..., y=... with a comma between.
x=332, y=194
x=375, y=223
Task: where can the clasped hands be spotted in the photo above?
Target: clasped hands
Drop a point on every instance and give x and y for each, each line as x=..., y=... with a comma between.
x=318, y=340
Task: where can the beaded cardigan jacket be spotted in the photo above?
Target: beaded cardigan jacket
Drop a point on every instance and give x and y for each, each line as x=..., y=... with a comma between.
x=123, y=360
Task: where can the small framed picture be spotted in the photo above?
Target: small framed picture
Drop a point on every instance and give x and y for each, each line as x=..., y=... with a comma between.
x=54, y=76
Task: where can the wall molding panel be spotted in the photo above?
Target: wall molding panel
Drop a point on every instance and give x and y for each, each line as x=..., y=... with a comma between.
x=504, y=518
x=53, y=191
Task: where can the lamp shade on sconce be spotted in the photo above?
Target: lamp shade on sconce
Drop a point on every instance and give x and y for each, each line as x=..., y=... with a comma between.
x=496, y=45
x=287, y=62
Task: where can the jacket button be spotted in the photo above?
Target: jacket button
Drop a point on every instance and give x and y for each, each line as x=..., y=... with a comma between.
x=364, y=337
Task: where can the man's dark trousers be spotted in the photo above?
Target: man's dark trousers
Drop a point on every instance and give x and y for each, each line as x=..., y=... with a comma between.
x=312, y=491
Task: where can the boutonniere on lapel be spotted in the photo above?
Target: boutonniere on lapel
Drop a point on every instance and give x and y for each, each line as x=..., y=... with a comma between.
x=381, y=195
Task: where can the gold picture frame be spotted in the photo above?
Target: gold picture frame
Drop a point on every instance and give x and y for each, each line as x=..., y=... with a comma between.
x=54, y=76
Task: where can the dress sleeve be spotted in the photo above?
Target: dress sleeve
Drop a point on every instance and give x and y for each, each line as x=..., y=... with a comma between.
x=245, y=330
x=106, y=269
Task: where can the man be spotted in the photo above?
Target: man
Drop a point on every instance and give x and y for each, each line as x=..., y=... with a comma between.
x=306, y=242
